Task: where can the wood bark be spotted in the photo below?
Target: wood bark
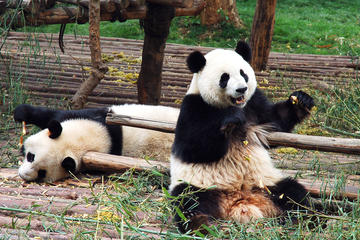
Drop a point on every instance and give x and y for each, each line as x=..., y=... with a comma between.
x=156, y=27
x=61, y=16
x=216, y=11
x=113, y=163
x=174, y=3
x=98, y=68
x=326, y=144
x=262, y=32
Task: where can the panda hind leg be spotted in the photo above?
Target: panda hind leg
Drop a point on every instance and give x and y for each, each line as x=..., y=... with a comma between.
x=288, y=195
x=199, y=207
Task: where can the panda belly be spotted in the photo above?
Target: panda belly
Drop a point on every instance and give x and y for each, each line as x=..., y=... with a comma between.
x=243, y=167
x=239, y=177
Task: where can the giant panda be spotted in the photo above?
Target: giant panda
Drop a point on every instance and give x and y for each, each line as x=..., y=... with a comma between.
x=220, y=166
x=66, y=135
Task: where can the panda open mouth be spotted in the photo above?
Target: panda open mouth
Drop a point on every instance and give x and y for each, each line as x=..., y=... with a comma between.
x=238, y=100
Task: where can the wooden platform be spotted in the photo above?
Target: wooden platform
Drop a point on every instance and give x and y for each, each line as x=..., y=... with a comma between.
x=48, y=74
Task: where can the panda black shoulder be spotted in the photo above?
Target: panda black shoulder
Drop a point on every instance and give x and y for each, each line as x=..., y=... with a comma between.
x=198, y=136
x=258, y=108
x=98, y=115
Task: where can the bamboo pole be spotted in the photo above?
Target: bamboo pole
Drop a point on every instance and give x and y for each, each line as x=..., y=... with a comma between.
x=326, y=144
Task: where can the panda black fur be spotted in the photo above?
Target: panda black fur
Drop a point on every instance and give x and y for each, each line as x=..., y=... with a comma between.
x=68, y=134
x=220, y=141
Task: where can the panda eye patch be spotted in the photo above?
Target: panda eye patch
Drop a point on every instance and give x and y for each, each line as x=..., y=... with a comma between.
x=30, y=157
x=244, y=75
x=224, y=80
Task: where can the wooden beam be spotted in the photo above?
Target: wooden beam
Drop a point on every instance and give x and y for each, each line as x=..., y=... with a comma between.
x=326, y=144
x=61, y=16
x=156, y=27
x=262, y=32
x=168, y=127
x=174, y=3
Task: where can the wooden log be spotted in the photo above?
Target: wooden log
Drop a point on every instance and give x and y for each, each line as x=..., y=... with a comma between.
x=261, y=33
x=61, y=16
x=317, y=189
x=113, y=163
x=114, y=119
x=326, y=144
x=319, y=143
x=174, y=3
x=156, y=28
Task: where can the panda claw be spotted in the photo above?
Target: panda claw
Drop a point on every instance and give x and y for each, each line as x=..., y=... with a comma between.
x=302, y=99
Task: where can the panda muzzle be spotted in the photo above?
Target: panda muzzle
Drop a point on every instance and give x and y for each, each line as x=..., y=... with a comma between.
x=238, y=100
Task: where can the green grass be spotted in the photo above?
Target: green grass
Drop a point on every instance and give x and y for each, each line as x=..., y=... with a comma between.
x=301, y=26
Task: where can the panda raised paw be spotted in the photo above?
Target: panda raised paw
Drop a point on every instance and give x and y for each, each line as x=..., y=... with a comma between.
x=302, y=99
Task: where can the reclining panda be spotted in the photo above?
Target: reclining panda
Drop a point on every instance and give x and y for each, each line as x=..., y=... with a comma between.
x=67, y=135
x=220, y=166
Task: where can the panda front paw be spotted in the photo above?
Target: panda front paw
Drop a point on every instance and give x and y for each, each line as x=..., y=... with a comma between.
x=302, y=100
x=232, y=124
x=22, y=112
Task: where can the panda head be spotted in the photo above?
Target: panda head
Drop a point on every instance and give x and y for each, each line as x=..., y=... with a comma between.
x=53, y=153
x=223, y=77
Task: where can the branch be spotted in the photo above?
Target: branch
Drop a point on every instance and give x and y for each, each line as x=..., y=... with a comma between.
x=98, y=68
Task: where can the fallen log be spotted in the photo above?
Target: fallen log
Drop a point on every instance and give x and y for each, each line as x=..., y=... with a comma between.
x=319, y=143
x=113, y=163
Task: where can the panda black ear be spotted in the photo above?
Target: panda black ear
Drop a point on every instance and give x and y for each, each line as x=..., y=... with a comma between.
x=195, y=61
x=55, y=129
x=69, y=164
x=244, y=50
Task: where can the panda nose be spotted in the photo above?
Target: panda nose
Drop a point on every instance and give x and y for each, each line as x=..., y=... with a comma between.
x=241, y=90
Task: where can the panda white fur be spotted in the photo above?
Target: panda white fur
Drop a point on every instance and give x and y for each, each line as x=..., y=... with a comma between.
x=220, y=166
x=68, y=134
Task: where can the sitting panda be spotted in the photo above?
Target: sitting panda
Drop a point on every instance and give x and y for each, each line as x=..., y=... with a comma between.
x=220, y=166
x=68, y=134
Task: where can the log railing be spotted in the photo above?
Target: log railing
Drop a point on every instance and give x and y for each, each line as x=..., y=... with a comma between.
x=326, y=144
x=35, y=14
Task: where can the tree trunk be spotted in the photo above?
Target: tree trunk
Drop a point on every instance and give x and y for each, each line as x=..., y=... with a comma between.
x=98, y=68
x=216, y=11
x=262, y=32
x=156, y=27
